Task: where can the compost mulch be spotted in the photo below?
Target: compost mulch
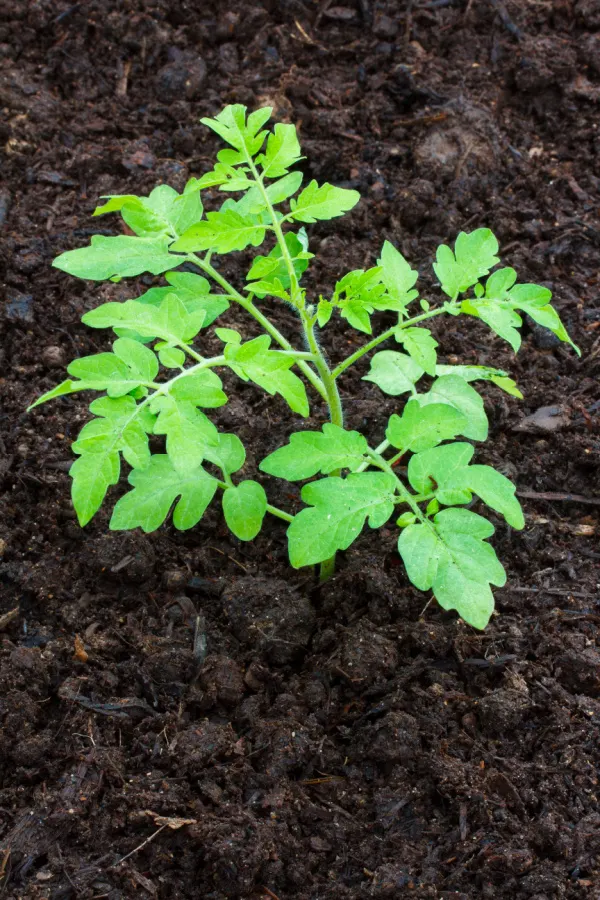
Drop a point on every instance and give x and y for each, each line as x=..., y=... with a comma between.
x=182, y=714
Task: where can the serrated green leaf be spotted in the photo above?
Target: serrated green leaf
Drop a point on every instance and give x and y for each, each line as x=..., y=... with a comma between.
x=188, y=431
x=244, y=508
x=419, y=344
x=420, y=428
x=456, y=392
x=283, y=151
x=395, y=373
x=92, y=476
x=222, y=232
x=284, y=187
x=474, y=255
x=121, y=425
x=140, y=359
x=270, y=369
x=357, y=316
x=228, y=454
x=318, y=202
x=170, y=321
x=163, y=212
x=310, y=452
x=324, y=312
x=495, y=490
x=123, y=256
x=243, y=134
x=431, y=470
x=156, y=488
x=535, y=301
x=397, y=275
x=272, y=268
x=503, y=320
x=202, y=387
x=452, y=558
x=337, y=514
x=105, y=372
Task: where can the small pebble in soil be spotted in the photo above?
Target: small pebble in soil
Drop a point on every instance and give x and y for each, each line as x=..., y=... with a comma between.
x=19, y=307
x=53, y=357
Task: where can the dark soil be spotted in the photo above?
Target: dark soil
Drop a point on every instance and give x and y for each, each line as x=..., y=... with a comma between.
x=340, y=742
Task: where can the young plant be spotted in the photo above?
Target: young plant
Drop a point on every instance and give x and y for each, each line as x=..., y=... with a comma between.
x=157, y=381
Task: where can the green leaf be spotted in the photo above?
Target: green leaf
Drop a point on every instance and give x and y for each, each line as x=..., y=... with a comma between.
x=452, y=558
x=163, y=212
x=419, y=344
x=171, y=357
x=156, y=488
x=121, y=256
x=244, y=508
x=337, y=514
x=456, y=392
x=357, y=316
x=482, y=373
x=92, y=476
x=269, y=369
x=407, y=518
x=283, y=151
x=503, y=320
x=106, y=372
x=535, y=301
x=121, y=425
x=222, y=232
x=141, y=360
x=188, y=431
x=61, y=390
x=316, y=203
x=494, y=489
x=431, y=470
x=309, y=452
x=170, y=321
x=202, y=387
x=324, y=312
x=395, y=373
x=507, y=385
x=420, y=428
x=474, y=255
x=283, y=188
x=272, y=268
x=243, y=134
x=229, y=453
x=397, y=275
x=228, y=335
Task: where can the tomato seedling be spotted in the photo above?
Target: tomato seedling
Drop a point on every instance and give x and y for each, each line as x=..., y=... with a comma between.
x=157, y=381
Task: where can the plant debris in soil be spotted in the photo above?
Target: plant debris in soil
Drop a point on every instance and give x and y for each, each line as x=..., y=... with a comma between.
x=183, y=715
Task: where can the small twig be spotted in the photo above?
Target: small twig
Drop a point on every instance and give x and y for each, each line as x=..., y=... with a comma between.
x=8, y=617
x=141, y=846
x=506, y=19
x=559, y=495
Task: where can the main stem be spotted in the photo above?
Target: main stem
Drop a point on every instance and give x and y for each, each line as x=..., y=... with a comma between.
x=307, y=318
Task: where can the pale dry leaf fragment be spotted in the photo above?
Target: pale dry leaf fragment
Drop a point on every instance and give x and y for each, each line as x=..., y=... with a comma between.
x=173, y=822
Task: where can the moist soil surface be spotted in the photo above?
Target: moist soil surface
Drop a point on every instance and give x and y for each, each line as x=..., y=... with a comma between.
x=183, y=715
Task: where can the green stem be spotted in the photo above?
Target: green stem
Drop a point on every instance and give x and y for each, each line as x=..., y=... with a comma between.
x=253, y=310
x=350, y=360
x=406, y=495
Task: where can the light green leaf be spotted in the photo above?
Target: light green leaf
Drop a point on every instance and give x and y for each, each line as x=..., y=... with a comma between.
x=228, y=335
x=92, y=476
x=121, y=256
x=456, y=392
x=322, y=202
x=163, y=212
x=229, y=453
x=272, y=268
x=121, y=425
x=474, y=255
x=339, y=508
x=324, y=312
x=420, y=428
x=269, y=369
x=310, y=452
x=419, y=344
x=222, y=232
x=283, y=151
x=105, y=372
x=430, y=470
x=503, y=320
x=283, y=188
x=61, y=390
x=494, y=489
x=397, y=275
x=188, y=431
x=535, y=301
x=156, y=488
x=171, y=357
x=244, y=135
x=202, y=387
x=452, y=558
x=507, y=385
x=141, y=360
x=244, y=508
x=395, y=373
x=170, y=321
